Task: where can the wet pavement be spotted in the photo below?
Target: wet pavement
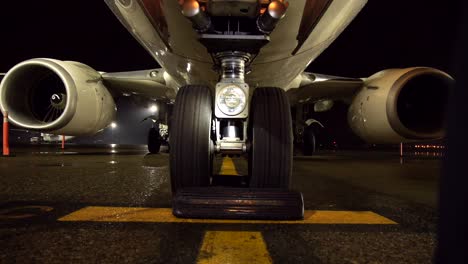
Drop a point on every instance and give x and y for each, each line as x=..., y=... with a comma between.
x=43, y=184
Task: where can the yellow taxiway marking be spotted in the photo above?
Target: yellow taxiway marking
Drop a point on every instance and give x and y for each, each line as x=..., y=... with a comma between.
x=233, y=247
x=164, y=215
x=228, y=167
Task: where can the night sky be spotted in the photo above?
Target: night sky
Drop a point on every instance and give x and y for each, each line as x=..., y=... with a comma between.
x=386, y=34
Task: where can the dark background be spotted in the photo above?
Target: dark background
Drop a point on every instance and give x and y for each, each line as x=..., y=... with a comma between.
x=386, y=34
x=396, y=33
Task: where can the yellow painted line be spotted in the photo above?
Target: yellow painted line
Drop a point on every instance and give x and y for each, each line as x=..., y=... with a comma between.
x=164, y=215
x=228, y=167
x=234, y=248
x=23, y=212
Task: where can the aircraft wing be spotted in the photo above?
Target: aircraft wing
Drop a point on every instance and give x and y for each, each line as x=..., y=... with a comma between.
x=153, y=84
x=314, y=87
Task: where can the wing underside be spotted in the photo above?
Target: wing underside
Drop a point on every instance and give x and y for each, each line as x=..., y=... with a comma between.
x=315, y=87
x=153, y=84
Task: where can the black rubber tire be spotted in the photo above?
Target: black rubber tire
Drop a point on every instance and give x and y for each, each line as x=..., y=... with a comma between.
x=191, y=158
x=271, y=136
x=309, y=141
x=238, y=203
x=154, y=141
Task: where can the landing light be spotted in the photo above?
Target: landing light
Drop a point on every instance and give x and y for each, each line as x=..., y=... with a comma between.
x=113, y=125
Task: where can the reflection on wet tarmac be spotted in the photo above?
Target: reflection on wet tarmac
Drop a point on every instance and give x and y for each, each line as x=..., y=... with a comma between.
x=429, y=154
x=153, y=180
x=55, y=153
x=54, y=165
x=402, y=189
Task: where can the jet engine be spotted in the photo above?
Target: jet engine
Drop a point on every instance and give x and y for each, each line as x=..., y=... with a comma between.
x=401, y=105
x=59, y=97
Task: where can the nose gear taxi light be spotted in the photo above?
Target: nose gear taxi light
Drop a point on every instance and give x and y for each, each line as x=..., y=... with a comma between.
x=232, y=91
x=231, y=100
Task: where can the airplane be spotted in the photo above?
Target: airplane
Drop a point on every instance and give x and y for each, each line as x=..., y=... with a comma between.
x=51, y=138
x=232, y=70
x=42, y=137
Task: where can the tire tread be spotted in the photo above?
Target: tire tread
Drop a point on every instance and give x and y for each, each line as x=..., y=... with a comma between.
x=270, y=161
x=190, y=158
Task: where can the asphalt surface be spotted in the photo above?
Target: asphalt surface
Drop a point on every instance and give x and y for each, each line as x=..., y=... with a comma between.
x=42, y=184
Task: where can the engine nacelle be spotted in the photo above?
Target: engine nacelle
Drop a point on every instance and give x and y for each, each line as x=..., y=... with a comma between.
x=59, y=97
x=401, y=105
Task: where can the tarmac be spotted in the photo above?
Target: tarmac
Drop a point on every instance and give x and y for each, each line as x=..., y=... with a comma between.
x=112, y=205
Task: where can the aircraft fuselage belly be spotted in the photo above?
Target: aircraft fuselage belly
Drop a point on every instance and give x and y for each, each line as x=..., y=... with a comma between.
x=170, y=38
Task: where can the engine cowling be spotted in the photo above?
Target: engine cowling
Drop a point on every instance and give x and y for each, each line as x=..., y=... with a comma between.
x=401, y=105
x=59, y=97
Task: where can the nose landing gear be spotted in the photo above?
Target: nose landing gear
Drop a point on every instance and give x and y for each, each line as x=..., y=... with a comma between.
x=270, y=160
x=229, y=124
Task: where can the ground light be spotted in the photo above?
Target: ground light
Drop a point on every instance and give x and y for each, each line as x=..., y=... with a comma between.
x=153, y=109
x=113, y=126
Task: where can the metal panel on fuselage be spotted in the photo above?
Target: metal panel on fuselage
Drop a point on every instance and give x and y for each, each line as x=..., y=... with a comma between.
x=171, y=40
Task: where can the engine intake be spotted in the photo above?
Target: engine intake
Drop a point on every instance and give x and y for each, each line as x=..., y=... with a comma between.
x=57, y=97
x=400, y=105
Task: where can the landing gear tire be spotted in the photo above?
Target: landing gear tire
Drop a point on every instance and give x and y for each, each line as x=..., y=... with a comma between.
x=271, y=136
x=191, y=155
x=309, y=141
x=154, y=141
